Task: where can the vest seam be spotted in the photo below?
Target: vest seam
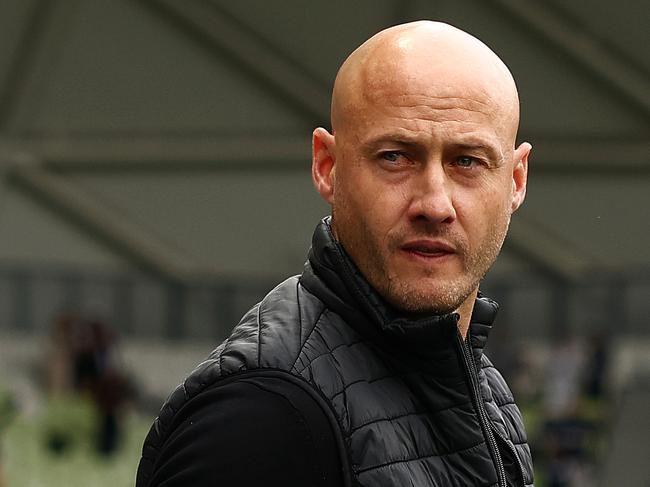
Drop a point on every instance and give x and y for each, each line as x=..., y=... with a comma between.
x=329, y=352
x=259, y=334
x=222, y=354
x=420, y=457
x=404, y=415
x=350, y=384
x=229, y=340
x=302, y=345
x=298, y=303
x=393, y=418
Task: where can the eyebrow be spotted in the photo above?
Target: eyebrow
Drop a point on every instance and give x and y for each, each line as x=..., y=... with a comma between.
x=478, y=144
x=491, y=151
x=399, y=139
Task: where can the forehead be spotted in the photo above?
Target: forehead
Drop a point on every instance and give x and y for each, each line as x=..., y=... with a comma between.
x=426, y=108
x=410, y=93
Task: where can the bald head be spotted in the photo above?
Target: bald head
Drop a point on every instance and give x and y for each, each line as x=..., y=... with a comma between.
x=429, y=57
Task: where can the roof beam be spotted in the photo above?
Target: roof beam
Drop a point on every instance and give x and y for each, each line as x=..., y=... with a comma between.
x=591, y=156
x=21, y=64
x=224, y=35
x=111, y=227
x=584, y=48
x=549, y=253
x=160, y=152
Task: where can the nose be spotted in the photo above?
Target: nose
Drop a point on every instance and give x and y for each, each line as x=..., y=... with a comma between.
x=432, y=196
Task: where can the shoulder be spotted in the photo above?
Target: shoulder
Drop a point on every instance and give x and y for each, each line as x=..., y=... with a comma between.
x=270, y=334
x=268, y=340
x=289, y=329
x=258, y=427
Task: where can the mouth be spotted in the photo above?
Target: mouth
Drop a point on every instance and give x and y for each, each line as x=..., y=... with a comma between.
x=428, y=249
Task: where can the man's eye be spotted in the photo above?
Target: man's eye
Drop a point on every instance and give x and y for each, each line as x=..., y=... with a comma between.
x=391, y=156
x=465, y=161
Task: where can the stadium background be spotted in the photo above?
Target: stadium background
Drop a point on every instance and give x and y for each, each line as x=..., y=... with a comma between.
x=154, y=171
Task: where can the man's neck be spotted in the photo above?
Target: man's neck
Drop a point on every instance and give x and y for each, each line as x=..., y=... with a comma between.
x=465, y=312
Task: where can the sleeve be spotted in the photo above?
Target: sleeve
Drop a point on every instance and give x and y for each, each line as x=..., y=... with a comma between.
x=250, y=432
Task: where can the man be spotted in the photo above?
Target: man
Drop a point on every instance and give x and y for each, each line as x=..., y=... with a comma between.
x=368, y=368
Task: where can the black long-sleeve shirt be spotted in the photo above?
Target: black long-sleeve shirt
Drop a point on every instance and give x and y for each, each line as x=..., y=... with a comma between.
x=253, y=431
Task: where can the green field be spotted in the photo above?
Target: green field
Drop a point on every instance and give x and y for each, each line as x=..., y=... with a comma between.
x=28, y=462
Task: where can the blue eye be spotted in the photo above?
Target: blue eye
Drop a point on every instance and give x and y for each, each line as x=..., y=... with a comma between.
x=465, y=161
x=391, y=156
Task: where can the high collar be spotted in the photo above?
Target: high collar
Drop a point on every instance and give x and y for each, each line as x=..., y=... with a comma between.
x=348, y=293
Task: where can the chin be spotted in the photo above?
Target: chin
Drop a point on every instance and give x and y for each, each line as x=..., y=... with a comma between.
x=441, y=296
x=419, y=302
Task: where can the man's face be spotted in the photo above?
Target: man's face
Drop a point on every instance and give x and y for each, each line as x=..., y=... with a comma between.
x=424, y=181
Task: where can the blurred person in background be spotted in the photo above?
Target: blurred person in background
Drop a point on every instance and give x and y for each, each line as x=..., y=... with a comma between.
x=82, y=367
x=98, y=374
x=368, y=368
x=575, y=411
x=563, y=379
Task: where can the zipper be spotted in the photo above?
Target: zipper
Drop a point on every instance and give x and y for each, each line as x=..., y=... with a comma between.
x=484, y=421
x=511, y=449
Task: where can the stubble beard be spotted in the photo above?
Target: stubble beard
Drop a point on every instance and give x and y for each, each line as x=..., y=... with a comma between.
x=432, y=294
x=426, y=293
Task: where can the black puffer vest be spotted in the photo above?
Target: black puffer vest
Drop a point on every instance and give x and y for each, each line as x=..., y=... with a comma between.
x=414, y=404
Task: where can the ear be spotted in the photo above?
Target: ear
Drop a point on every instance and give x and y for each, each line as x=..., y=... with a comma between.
x=323, y=162
x=520, y=174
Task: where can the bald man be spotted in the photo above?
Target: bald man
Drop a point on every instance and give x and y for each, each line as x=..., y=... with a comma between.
x=368, y=368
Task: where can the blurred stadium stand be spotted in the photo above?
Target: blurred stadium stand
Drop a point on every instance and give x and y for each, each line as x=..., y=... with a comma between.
x=154, y=172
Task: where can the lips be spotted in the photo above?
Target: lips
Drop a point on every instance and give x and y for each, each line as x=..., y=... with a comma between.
x=428, y=248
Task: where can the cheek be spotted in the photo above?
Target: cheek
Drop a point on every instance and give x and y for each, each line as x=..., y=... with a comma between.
x=376, y=211
x=380, y=203
x=389, y=209
x=483, y=211
x=497, y=193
